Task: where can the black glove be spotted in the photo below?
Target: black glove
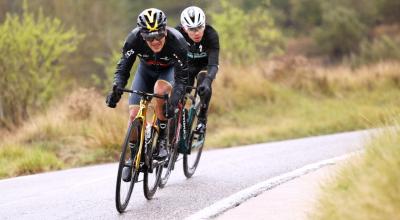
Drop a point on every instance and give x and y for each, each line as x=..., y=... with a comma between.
x=113, y=97
x=172, y=104
x=205, y=86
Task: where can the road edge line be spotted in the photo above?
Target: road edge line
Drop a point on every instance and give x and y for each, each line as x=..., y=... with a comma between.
x=236, y=199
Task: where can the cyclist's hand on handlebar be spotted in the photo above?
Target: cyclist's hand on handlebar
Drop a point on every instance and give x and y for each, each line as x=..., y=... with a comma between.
x=113, y=97
x=205, y=86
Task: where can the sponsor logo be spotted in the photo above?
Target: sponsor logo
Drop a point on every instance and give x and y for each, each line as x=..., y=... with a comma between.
x=197, y=55
x=165, y=58
x=129, y=53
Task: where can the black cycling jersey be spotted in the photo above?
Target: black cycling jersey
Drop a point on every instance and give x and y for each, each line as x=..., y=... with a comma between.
x=206, y=52
x=174, y=53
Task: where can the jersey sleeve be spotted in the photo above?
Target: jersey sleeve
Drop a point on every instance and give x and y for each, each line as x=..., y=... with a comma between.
x=181, y=64
x=213, y=53
x=126, y=61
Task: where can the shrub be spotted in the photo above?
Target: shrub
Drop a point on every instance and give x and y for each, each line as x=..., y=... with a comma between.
x=389, y=10
x=31, y=52
x=246, y=35
x=379, y=49
x=340, y=32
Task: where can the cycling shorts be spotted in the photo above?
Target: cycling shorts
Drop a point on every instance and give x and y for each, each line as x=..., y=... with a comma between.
x=145, y=79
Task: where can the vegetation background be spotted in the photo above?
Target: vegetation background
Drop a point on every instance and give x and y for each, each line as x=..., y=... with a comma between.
x=288, y=68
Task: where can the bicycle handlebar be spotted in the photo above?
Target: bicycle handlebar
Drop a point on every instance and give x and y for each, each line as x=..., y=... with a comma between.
x=141, y=93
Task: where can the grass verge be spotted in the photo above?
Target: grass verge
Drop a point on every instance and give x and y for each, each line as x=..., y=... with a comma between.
x=369, y=187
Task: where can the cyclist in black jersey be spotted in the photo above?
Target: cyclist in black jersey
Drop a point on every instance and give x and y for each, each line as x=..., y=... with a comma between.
x=162, y=52
x=203, y=55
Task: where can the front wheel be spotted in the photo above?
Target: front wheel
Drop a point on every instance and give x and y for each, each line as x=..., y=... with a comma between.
x=127, y=160
x=195, y=143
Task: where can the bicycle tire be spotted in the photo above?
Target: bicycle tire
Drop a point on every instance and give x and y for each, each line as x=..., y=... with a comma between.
x=166, y=173
x=191, y=159
x=126, y=153
x=150, y=185
x=172, y=156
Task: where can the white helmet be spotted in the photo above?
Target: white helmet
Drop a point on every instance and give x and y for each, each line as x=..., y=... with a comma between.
x=193, y=17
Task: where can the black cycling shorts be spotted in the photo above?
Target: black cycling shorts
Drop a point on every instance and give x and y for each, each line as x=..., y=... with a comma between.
x=145, y=79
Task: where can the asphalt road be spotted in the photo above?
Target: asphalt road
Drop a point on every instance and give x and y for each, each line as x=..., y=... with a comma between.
x=89, y=192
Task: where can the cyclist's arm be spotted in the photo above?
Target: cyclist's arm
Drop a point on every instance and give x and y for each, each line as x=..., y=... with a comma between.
x=126, y=62
x=181, y=65
x=213, y=53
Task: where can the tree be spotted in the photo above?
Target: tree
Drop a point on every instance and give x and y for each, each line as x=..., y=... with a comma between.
x=340, y=33
x=246, y=36
x=32, y=49
x=389, y=10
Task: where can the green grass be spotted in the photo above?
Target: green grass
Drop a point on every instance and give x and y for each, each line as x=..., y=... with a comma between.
x=17, y=160
x=369, y=187
x=295, y=115
x=249, y=105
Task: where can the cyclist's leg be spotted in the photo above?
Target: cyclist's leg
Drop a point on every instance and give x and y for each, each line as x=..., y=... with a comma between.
x=144, y=80
x=205, y=99
x=162, y=86
x=192, y=77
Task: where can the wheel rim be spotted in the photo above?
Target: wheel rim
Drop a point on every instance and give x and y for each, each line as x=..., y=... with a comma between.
x=196, y=143
x=127, y=158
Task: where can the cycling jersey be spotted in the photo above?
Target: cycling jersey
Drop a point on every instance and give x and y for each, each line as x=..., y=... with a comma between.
x=174, y=53
x=205, y=53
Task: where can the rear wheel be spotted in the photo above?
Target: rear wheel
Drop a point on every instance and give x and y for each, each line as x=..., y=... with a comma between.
x=195, y=143
x=153, y=168
x=127, y=160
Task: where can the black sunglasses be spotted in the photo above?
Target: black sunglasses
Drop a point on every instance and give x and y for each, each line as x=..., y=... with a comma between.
x=150, y=37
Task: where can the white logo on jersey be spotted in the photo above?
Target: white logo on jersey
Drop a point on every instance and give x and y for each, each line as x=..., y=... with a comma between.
x=129, y=53
x=165, y=58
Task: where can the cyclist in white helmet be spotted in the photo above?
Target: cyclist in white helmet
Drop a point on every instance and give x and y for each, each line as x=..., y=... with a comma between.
x=203, y=55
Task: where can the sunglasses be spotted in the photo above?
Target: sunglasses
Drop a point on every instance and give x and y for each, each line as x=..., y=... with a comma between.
x=200, y=28
x=151, y=36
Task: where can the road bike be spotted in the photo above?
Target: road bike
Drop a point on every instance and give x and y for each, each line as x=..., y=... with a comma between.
x=184, y=137
x=137, y=152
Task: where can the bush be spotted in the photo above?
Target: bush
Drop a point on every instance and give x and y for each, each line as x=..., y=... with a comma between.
x=31, y=53
x=340, y=32
x=307, y=14
x=379, y=49
x=104, y=83
x=246, y=35
x=389, y=10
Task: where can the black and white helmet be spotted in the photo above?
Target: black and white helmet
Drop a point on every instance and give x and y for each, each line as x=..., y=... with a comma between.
x=151, y=20
x=193, y=17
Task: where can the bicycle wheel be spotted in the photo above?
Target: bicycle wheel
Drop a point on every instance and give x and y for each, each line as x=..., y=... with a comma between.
x=172, y=156
x=127, y=159
x=195, y=142
x=154, y=168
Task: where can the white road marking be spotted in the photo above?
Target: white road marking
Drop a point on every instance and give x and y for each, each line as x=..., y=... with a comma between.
x=243, y=195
